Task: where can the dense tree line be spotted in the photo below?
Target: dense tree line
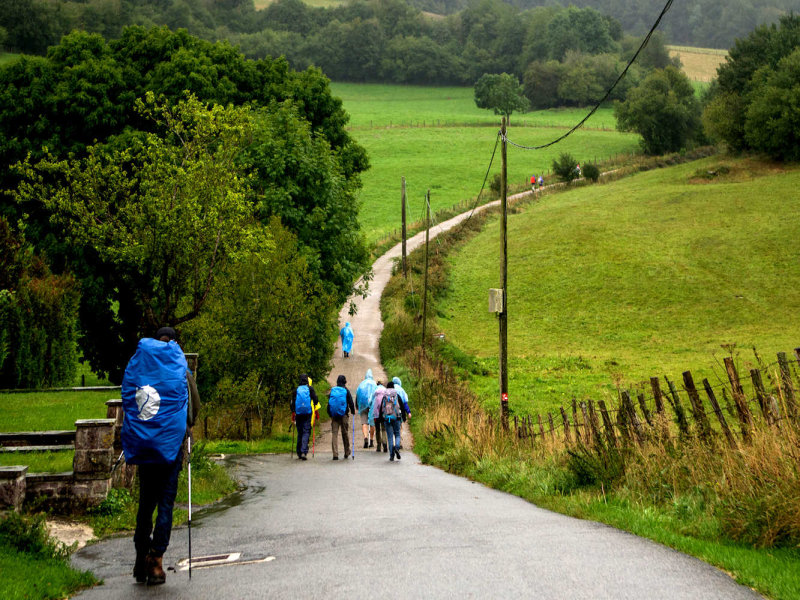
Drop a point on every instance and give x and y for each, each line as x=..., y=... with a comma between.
x=150, y=196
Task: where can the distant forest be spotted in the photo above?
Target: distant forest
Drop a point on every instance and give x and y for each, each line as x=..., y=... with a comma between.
x=568, y=52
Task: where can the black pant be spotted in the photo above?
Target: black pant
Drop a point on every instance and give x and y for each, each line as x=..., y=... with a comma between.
x=158, y=485
x=303, y=424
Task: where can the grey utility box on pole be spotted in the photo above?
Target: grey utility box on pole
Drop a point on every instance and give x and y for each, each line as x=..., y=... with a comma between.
x=495, y=300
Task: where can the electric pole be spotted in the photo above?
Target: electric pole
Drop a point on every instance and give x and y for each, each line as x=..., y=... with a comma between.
x=403, y=211
x=504, y=281
x=425, y=284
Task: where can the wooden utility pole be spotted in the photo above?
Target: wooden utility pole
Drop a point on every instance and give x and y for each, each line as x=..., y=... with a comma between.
x=425, y=284
x=403, y=211
x=504, y=281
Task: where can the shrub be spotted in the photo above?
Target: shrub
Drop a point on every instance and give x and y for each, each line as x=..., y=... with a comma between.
x=565, y=167
x=591, y=172
x=29, y=535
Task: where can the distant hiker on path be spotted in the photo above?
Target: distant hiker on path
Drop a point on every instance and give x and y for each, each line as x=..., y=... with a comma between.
x=541, y=182
x=375, y=418
x=160, y=400
x=346, y=334
x=304, y=403
x=363, y=395
x=403, y=395
x=533, y=183
x=392, y=412
x=340, y=407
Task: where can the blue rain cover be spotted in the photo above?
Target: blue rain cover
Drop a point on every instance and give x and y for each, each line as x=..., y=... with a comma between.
x=347, y=337
x=338, y=401
x=155, y=398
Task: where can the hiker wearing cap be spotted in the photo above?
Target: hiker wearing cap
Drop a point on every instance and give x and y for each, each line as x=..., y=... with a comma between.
x=303, y=404
x=392, y=412
x=403, y=395
x=160, y=401
x=346, y=333
x=340, y=407
x=363, y=396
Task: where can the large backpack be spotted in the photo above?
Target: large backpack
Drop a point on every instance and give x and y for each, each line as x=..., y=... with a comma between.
x=155, y=399
x=337, y=402
x=302, y=401
x=377, y=399
x=390, y=407
x=363, y=393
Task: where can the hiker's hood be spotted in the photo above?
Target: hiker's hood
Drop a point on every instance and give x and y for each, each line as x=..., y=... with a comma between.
x=396, y=381
x=369, y=374
x=341, y=381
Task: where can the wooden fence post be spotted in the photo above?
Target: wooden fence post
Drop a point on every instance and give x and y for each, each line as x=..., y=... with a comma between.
x=675, y=401
x=656, y=385
x=594, y=422
x=645, y=411
x=787, y=386
x=745, y=418
x=541, y=427
x=718, y=411
x=586, y=425
x=627, y=405
x=566, y=425
x=575, y=420
x=608, y=424
x=761, y=394
x=697, y=406
x=552, y=428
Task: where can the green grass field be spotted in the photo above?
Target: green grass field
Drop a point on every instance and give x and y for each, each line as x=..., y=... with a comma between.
x=40, y=462
x=7, y=57
x=646, y=276
x=451, y=159
x=38, y=411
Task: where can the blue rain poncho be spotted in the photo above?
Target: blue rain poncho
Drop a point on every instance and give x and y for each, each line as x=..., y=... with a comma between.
x=155, y=398
x=364, y=392
x=347, y=337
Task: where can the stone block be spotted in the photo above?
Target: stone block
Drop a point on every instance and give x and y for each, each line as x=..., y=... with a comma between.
x=114, y=411
x=93, y=461
x=94, y=434
x=12, y=486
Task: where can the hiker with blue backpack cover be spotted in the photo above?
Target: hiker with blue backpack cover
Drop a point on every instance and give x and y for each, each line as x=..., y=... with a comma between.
x=346, y=333
x=375, y=416
x=304, y=404
x=160, y=402
x=340, y=407
x=363, y=394
x=392, y=411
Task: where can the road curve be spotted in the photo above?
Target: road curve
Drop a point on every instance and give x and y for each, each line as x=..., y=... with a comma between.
x=367, y=527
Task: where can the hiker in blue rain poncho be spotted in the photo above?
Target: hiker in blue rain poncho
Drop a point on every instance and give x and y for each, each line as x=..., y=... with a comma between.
x=160, y=400
x=403, y=395
x=363, y=395
x=347, y=339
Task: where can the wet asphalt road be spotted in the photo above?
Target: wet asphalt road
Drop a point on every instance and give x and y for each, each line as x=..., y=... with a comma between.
x=368, y=528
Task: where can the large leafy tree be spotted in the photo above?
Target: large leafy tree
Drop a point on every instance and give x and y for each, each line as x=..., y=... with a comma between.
x=159, y=218
x=501, y=93
x=663, y=110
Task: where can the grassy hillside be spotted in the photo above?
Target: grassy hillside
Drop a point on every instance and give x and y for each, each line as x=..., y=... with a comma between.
x=445, y=155
x=699, y=64
x=646, y=276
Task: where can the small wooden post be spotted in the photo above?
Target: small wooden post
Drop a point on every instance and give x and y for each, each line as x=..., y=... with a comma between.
x=645, y=411
x=607, y=424
x=565, y=419
x=697, y=406
x=552, y=428
x=675, y=401
x=787, y=386
x=403, y=216
x=575, y=420
x=745, y=417
x=761, y=394
x=586, y=424
x=541, y=427
x=656, y=385
x=627, y=405
x=718, y=411
x=594, y=423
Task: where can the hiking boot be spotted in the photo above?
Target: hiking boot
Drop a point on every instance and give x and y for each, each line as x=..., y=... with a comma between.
x=155, y=571
x=385, y=448
x=371, y=443
x=335, y=458
x=140, y=568
x=397, y=453
x=391, y=459
x=303, y=457
x=366, y=443
x=378, y=448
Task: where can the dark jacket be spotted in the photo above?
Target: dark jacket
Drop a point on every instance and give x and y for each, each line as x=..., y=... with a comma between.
x=304, y=381
x=341, y=381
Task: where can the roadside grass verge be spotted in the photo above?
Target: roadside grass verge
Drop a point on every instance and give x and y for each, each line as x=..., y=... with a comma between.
x=736, y=509
x=41, y=411
x=33, y=565
x=40, y=462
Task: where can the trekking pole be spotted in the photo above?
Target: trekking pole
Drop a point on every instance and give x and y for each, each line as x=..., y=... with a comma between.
x=353, y=452
x=313, y=439
x=189, y=442
x=292, y=430
x=116, y=464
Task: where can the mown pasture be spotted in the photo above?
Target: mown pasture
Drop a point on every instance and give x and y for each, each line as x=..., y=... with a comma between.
x=439, y=140
x=650, y=275
x=699, y=64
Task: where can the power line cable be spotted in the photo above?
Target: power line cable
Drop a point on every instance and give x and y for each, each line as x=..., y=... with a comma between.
x=667, y=6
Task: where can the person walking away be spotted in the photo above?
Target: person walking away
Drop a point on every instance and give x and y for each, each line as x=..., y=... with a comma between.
x=541, y=182
x=340, y=407
x=363, y=394
x=403, y=395
x=160, y=401
x=376, y=419
x=533, y=183
x=346, y=334
x=304, y=400
x=392, y=411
